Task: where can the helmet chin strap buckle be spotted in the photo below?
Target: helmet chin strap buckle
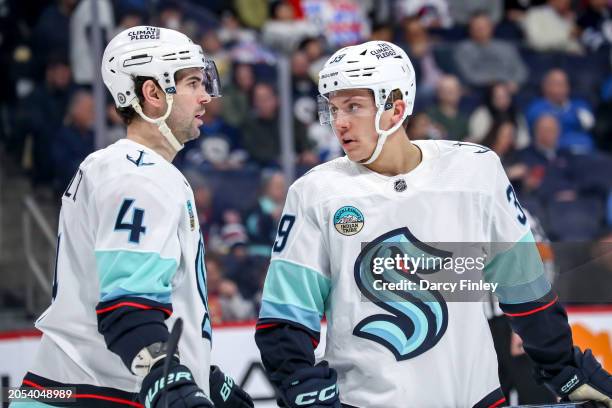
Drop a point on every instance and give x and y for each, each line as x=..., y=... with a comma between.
x=161, y=122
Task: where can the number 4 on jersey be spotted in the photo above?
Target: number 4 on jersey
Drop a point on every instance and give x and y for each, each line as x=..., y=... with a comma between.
x=135, y=227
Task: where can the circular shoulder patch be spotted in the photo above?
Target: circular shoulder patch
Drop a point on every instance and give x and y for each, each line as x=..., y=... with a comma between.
x=348, y=220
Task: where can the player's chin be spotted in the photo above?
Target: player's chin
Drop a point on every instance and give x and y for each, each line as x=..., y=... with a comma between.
x=195, y=133
x=354, y=155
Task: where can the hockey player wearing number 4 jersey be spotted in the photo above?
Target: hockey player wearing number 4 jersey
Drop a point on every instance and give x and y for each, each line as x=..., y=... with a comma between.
x=386, y=350
x=130, y=256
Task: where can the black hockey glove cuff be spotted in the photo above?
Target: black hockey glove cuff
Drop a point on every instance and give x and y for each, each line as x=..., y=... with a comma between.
x=586, y=381
x=179, y=385
x=225, y=393
x=313, y=387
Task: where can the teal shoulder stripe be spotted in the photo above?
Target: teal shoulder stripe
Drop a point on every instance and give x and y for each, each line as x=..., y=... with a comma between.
x=130, y=273
x=518, y=271
x=307, y=318
x=291, y=284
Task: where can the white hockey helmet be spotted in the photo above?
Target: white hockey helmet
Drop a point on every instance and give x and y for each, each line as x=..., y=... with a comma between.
x=379, y=66
x=146, y=51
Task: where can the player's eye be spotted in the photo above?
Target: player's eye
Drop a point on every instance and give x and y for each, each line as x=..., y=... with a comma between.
x=354, y=107
x=333, y=110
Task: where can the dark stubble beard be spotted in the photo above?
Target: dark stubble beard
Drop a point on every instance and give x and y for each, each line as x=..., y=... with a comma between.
x=182, y=129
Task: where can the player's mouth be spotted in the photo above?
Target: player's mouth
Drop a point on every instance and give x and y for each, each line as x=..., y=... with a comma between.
x=347, y=142
x=199, y=120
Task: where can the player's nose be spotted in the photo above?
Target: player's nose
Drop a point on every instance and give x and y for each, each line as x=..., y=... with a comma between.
x=204, y=98
x=342, y=122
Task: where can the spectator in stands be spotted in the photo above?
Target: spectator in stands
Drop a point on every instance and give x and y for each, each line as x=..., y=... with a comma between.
x=420, y=50
x=41, y=115
x=420, y=127
x=430, y=13
x=283, y=32
x=303, y=85
x=546, y=134
x=246, y=271
x=595, y=25
x=574, y=115
x=225, y=302
x=541, y=152
x=304, y=90
x=445, y=115
x=51, y=35
x=501, y=138
x=343, y=22
x=461, y=11
x=75, y=140
x=261, y=135
x=128, y=16
x=262, y=221
x=237, y=95
x=232, y=32
x=220, y=146
x=313, y=47
x=209, y=213
x=498, y=107
x=213, y=48
x=170, y=14
x=483, y=60
x=382, y=32
x=551, y=27
x=515, y=10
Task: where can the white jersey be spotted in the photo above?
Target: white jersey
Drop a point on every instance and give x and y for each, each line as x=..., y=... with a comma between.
x=396, y=351
x=128, y=227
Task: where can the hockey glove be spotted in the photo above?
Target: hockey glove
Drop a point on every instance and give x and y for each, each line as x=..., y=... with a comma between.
x=181, y=389
x=313, y=387
x=586, y=381
x=225, y=393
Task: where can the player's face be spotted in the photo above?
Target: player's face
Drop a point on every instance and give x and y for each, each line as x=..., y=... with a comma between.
x=188, y=106
x=354, y=112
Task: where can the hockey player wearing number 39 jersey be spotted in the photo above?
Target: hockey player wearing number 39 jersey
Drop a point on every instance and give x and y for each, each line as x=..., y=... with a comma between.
x=130, y=256
x=398, y=350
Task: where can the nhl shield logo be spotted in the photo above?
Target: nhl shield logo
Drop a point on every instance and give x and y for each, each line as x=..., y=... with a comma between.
x=400, y=185
x=348, y=220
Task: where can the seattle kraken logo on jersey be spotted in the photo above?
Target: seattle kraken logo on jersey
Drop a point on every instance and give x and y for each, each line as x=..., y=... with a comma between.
x=140, y=160
x=418, y=318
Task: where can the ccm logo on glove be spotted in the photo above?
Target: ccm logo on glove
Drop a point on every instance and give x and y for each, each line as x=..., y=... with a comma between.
x=311, y=397
x=570, y=384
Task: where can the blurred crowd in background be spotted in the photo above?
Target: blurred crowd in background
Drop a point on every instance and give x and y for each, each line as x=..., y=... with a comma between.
x=531, y=80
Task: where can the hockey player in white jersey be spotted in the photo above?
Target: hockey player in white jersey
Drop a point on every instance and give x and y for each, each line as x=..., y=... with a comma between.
x=395, y=349
x=130, y=255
